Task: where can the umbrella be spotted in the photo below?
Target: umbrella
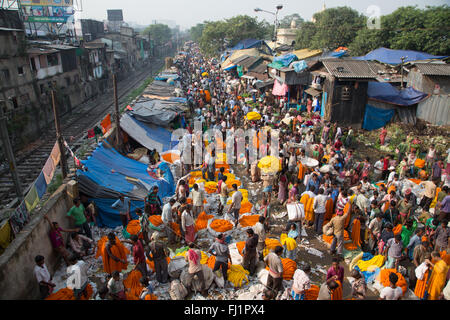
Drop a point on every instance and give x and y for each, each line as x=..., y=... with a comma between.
x=253, y=116
x=269, y=164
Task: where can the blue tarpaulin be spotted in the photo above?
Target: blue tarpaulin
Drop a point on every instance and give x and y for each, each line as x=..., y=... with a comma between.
x=108, y=168
x=109, y=217
x=150, y=136
x=299, y=66
x=388, y=93
x=250, y=43
x=376, y=118
x=286, y=59
x=393, y=57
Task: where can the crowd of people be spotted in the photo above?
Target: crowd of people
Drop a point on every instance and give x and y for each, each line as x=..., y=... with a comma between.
x=395, y=206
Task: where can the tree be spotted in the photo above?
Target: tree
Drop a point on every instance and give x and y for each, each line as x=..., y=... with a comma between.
x=305, y=35
x=408, y=28
x=287, y=20
x=196, y=32
x=160, y=33
x=217, y=35
x=336, y=27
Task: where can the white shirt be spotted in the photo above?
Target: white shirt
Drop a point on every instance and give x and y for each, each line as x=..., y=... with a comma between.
x=311, y=194
x=41, y=273
x=79, y=270
x=301, y=281
x=166, y=215
x=319, y=203
x=391, y=176
x=391, y=294
x=378, y=166
x=186, y=219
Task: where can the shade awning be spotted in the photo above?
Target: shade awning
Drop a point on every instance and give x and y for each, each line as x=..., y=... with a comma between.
x=313, y=92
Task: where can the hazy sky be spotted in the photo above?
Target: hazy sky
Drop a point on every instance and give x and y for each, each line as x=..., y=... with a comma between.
x=187, y=13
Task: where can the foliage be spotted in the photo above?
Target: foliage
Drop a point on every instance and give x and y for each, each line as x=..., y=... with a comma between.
x=55, y=183
x=217, y=35
x=287, y=20
x=408, y=28
x=305, y=35
x=160, y=33
x=196, y=32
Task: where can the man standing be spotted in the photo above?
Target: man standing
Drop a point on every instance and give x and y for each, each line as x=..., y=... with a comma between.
x=319, y=211
x=393, y=251
x=57, y=239
x=442, y=237
x=429, y=194
x=123, y=206
x=138, y=255
x=159, y=254
x=259, y=230
x=167, y=218
x=275, y=278
x=188, y=224
x=338, y=223
x=251, y=244
x=220, y=250
x=223, y=191
x=236, y=203
x=197, y=200
x=43, y=277
x=77, y=214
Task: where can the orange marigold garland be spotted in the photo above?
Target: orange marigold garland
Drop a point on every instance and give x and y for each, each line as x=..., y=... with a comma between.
x=133, y=227
x=384, y=279
x=221, y=225
x=202, y=221
x=289, y=268
x=155, y=220
x=249, y=221
x=67, y=294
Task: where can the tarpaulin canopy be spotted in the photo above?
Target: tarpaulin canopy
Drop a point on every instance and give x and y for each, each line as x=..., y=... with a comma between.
x=160, y=88
x=283, y=61
x=231, y=61
x=159, y=112
x=376, y=118
x=148, y=135
x=250, y=43
x=393, y=57
x=110, y=170
x=387, y=93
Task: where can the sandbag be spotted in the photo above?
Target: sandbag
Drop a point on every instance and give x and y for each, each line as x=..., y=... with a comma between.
x=195, y=285
x=263, y=276
x=176, y=266
x=235, y=255
x=177, y=290
x=328, y=229
x=295, y=211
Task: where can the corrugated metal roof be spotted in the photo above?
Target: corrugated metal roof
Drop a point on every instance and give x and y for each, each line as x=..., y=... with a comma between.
x=39, y=51
x=434, y=69
x=249, y=61
x=340, y=68
x=260, y=68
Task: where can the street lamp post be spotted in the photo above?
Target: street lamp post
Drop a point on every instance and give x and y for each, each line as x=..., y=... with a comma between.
x=279, y=7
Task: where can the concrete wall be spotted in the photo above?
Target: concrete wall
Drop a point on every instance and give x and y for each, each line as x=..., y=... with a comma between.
x=17, y=280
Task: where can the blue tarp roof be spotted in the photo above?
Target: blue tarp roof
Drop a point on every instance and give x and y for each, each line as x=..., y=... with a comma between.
x=388, y=93
x=250, y=43
x=103, y=160
x=376, y=118
x=393, y=57
x=150, y=136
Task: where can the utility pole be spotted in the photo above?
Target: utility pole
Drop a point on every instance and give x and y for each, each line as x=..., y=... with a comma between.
x=59, y=137
x=403, y=60
x=117, y=114
x=10, y=154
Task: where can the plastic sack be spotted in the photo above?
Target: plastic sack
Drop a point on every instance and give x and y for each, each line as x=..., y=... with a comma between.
x=295, y=211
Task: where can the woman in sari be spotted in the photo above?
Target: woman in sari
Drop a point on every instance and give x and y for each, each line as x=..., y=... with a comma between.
x=383, y=135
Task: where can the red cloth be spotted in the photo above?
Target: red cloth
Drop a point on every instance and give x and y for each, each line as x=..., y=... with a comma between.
x=91, y=133
x=138, y=253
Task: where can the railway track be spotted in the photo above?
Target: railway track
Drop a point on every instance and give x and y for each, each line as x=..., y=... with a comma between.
x=74, y=127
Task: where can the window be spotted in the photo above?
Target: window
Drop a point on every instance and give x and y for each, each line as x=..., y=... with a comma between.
x=14, y=102
x=52, y=60
x=5, y=74
x=20, y=71
x=33, y=64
